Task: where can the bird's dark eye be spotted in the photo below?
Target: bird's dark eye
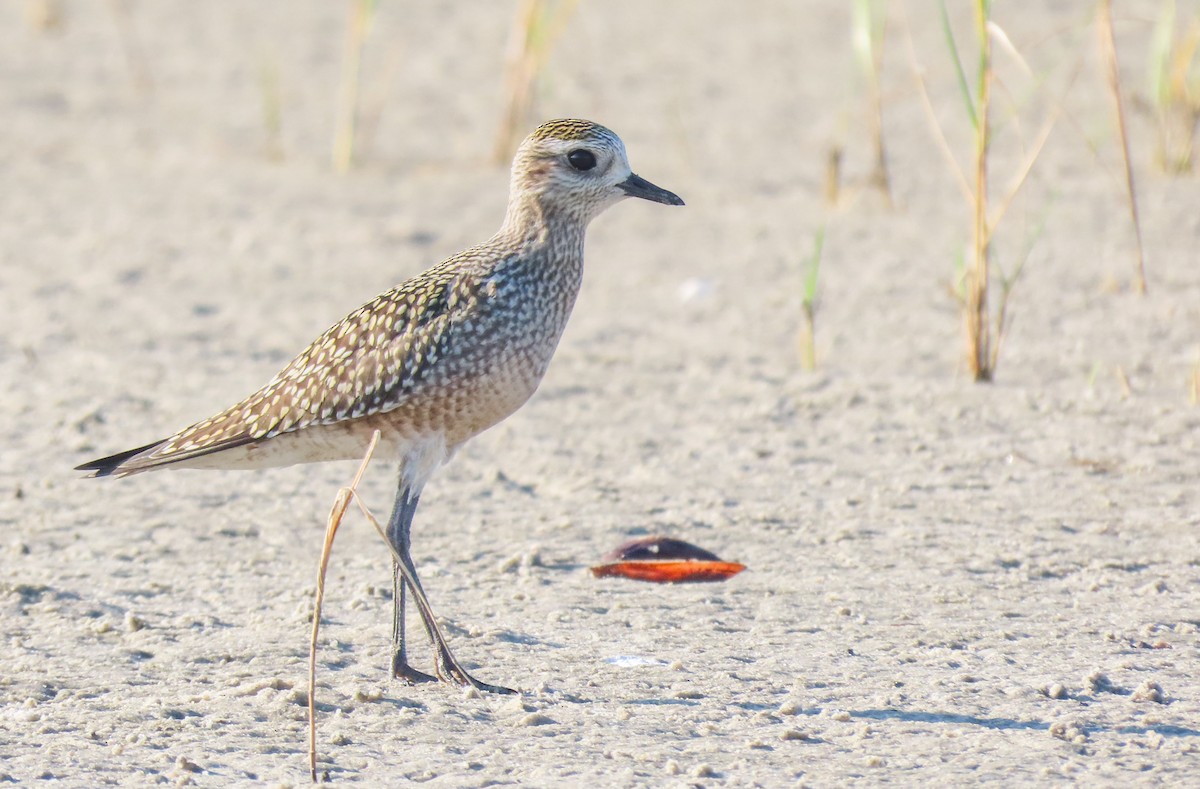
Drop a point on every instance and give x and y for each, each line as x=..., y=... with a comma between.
x=582, y=159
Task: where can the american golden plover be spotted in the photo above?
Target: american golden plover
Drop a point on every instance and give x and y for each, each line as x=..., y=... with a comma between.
x=432, y=362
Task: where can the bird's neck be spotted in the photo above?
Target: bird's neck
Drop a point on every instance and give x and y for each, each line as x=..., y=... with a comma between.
x=533, y=226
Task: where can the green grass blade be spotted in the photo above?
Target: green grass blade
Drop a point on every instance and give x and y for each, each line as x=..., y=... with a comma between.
x=862, y=35
x=1160, y=56
x=961, y=74
x=814, y=267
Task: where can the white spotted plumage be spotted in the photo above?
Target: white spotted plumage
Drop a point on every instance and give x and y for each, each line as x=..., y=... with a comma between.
x=447, y=354
x=432, y=362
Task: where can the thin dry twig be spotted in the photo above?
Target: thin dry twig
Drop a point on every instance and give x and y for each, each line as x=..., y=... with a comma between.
x=1108, y=44
x=358, y=27
x=338, y=511
x=832, y=182
x=335, y=520
x=979, y=336
x=870, y=34
x=534, y=31
x=1123, y=381
x=1022, y=173
x=938, y=135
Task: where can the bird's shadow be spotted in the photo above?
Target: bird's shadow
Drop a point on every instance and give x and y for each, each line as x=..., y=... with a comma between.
x=1004, y=724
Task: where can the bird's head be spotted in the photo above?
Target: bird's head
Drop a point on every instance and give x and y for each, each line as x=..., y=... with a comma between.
x=578, y=168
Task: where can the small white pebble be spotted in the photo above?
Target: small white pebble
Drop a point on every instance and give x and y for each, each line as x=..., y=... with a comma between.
x=1068, y=731
x=186, y=764
x=1097, y=682
x=369, y=694
x=536, y=719
x=1149, y=691
x=1154, y=587
x=790, y=707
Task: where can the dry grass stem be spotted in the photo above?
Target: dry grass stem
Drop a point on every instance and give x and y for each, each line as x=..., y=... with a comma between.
x=1123, y=382
x=808, y=304
x=534, y=31
x=979, y=334
x=935, y=127
x=870, y=32
x=832, y=182
x=45, y=16
x=1031, y=157
x=335, y=520
x=1175, y=90
x=358, y=28
x=1108, y=45
x=985, y=314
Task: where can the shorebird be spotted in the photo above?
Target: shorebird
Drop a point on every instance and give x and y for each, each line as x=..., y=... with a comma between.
x=432, y=362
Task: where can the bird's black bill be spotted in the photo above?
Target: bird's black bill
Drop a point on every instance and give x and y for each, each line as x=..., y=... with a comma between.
x=636, y=186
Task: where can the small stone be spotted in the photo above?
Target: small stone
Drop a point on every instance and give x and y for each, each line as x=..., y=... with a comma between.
x=1154, y=587
x=133, y=623
x=1149, y=691
x=1098, y=682
x=790, y=707
x=536, y=719
x=362, y=695
x=1068, y=731
x=794, y=734
x=187, y=765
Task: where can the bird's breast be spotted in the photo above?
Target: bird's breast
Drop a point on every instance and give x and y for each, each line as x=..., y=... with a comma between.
x=496, y=353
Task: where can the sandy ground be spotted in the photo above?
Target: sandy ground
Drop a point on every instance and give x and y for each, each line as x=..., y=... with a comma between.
x=948, y=583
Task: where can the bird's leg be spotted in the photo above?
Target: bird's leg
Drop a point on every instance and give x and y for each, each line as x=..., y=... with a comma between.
x=398, y=534
x=405, y=575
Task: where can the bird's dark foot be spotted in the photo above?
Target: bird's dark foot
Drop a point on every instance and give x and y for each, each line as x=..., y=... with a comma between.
x=464, y=679
x=449, y=670
x=406, y=673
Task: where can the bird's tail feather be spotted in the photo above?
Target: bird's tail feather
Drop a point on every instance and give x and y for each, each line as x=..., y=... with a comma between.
x=114, y=464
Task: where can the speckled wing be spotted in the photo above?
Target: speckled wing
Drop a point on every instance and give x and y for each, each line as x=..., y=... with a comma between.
x=368, y=363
